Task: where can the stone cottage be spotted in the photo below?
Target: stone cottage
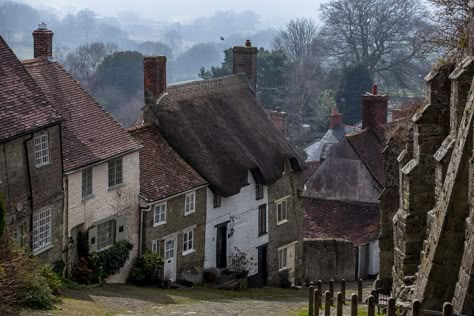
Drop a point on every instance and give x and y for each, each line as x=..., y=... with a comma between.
x=254, y=218
x=350, y=180
x=100, y=160
x=30, y=160
x=174, y=203
x=431, y=213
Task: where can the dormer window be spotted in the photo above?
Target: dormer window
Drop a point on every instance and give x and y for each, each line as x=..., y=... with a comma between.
x=258, y=191
x=190, y=203
x=217, y=200
x=244, y=180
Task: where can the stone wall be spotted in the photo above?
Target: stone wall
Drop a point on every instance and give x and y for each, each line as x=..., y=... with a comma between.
x=188, y=266
x=289, y=232
x=47, y=190
x=326, y=259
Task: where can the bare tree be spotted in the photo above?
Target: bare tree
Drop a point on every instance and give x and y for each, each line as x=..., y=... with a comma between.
x=84, y=61
x=297, y=38
x=390, y=38
x=452, y=18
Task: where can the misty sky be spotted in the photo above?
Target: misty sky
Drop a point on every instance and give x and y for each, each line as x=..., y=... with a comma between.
x=272, y=12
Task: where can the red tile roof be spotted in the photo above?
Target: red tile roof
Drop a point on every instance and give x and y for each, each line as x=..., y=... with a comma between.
x=358, y=223
x=89, y=133
x=163, y=173
x=23, y=106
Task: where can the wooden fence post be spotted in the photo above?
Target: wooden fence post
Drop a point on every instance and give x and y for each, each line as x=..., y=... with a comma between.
x=311, y=300
x=354, y=302
x=371, y=306
x=343, y=289
x=416, y=308
x=448, y=309
x=320, y=288
x=327, y=303
x=359, y=290
x=391, y=310
x=317, y=302
x=331, y=290
x=339, y=304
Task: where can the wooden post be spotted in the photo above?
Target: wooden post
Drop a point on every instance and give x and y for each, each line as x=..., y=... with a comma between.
x=448, y=309
x=371, y=306
x=354, y=302
x=311, y=300
x=359, y=290
x=327, y=303
x=339, y=304
x=416, y=308
x=319, y=284
x=343, y=289
x=391, y=310
x=317, y=302
x=331, y=290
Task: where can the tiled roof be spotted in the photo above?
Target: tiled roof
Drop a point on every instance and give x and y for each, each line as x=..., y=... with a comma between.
x=321, y=148
x=358, y=223
x=89, y=133
x=163, y=173
x=23, y=106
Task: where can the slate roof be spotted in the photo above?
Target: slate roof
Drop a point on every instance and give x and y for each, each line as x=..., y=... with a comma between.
x=89, y=133
x=358, y=223
x=23, y=106
x=163, y=173
x=320, y=149
x=222, y=131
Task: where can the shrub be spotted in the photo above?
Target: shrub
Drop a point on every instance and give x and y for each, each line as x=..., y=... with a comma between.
x=109, y=261
x=146, y=270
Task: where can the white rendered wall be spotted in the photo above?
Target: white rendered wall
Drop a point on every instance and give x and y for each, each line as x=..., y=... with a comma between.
x=120, y=201
x=242, y=212
x=374, y=263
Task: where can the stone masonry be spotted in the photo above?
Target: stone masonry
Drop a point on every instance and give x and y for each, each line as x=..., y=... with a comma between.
x=433, y=228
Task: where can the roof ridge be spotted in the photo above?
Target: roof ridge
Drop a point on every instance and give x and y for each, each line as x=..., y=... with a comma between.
x=200, y=87
x=138, y=127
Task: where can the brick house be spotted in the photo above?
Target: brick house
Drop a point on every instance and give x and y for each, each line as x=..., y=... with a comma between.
x=173, y=199
x=351, y=179
x=100, y=160
x=254, y=174
x=30, y=160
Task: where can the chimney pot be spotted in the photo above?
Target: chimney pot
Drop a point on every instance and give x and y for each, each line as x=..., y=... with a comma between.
x=278, y=109
x=42, y=26
x=374, y=89
x=248, y=43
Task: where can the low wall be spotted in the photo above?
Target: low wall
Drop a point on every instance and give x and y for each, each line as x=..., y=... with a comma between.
x=326, y=259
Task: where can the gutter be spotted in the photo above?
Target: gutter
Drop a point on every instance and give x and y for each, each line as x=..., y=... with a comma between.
x=140, y=233
x=30, y=187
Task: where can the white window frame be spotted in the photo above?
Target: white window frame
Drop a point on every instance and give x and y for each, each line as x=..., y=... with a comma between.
x=283, y=258
x=186, y=241
x=163, y=210
x=113, y=171
x=41, y=150
x=111, y=226
x=190, y=203
x=155, y=246
x=42, y=230
x=86, y=195
x=282, y=211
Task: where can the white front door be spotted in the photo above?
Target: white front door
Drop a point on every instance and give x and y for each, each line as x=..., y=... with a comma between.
x=290, y=259
x=170, y=259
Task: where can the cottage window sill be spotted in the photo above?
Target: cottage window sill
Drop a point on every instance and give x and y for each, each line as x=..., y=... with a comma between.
x=43, y=165
x=262, y=234
x=112, y=188
x=159, y=224
x=282, y=222
x=42, y=249
x=188, y=252
x=189, y=213
x=85, y=198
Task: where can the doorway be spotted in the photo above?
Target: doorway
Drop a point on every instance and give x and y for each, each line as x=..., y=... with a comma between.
x=170, y=259
x=221, y=246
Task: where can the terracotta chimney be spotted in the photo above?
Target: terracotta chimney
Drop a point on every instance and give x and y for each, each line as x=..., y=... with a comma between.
x=154, y=72
x=280, y=120
x=374, y=112
x=42, y=42
x=245, y=60
x=335, y=119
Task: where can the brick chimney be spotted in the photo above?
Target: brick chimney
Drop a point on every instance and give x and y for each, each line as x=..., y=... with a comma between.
x=245, y=60
x=154, y=73
x=335, y=119
x=280, y=121
x=374, y=112
x=42, y=42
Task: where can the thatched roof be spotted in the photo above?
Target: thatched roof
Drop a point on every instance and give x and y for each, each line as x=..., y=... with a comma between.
x=222, y=131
